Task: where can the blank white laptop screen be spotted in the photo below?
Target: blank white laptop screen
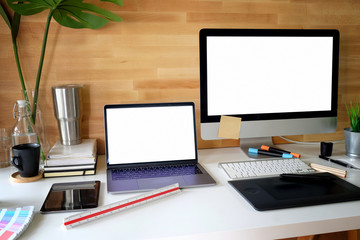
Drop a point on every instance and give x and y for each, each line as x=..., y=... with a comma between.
x=150, y=134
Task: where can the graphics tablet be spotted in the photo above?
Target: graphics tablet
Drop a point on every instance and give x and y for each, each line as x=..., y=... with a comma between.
x=277, y=193
x=72, y=196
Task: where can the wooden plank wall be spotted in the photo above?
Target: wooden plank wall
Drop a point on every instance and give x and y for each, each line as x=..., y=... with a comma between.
x=152, y=56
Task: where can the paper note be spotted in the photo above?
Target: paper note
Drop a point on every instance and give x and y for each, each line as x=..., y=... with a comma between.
x=229, y=127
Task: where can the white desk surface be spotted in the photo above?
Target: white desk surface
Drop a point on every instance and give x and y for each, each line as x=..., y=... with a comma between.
x=216, y=212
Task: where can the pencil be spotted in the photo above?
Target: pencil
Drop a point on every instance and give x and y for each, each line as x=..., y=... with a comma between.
x=335, y=171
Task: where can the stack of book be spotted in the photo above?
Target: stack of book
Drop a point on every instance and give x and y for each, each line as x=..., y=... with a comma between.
x=74, y=160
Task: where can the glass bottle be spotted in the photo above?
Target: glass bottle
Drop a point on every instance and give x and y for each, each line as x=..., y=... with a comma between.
x=39, y=125
x=23, y=130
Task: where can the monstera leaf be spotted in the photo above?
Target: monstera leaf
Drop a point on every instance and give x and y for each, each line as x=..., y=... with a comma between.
x=69, y=13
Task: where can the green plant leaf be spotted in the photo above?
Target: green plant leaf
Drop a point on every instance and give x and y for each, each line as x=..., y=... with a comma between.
x=76, y=14
x=15, y=25
x=30, y=7
x=73, y=18
x=118, y=2
x=353, y=111
x=69, y=13
x=4, y=15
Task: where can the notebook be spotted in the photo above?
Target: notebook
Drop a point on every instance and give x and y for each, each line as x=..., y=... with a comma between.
x=149, y=146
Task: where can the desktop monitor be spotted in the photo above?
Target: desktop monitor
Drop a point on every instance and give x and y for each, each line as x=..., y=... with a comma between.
x=279, y=81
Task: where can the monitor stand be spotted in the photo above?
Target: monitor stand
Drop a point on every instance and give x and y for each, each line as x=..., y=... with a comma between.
x=246, y=143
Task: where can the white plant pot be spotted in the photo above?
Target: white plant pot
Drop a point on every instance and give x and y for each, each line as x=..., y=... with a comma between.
x=352, y=143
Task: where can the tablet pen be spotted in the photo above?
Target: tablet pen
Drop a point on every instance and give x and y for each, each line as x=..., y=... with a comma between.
x=276, y=150
x=335, y=161
x=263, y=152
x=306, y=177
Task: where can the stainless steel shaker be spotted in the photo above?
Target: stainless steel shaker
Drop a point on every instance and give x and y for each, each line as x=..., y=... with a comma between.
x=67, y=101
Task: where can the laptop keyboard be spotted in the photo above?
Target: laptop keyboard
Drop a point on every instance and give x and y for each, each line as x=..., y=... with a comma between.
x=156, y=171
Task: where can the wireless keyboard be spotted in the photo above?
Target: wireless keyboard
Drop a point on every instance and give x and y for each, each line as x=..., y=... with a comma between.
x=264, y=168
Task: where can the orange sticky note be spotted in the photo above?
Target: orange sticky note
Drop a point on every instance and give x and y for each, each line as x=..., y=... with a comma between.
x=229, y=127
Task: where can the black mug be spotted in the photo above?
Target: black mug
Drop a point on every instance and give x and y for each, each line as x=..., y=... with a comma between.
x=26, y=158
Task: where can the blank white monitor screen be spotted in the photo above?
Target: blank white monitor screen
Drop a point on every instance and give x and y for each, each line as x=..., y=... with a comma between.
x=282, y=70
x=270, y=75
x=150, y=134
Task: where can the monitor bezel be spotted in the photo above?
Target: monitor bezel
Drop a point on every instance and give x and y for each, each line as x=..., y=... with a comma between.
x=204, y=33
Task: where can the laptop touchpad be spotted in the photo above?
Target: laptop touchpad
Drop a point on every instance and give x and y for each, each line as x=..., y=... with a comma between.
x=151, y=183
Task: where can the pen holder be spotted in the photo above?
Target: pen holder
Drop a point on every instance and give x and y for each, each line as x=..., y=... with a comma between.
x=326, y=149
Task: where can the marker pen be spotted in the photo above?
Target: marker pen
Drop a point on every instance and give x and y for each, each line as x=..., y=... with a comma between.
x=263, y=152
x=276, y=150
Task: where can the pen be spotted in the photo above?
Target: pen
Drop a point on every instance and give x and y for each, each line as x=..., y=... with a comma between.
x=276, y=150
x=263, y=152
x=306, y=177
x=335, y=161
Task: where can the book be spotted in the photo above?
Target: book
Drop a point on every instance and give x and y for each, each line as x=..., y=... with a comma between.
x=70, y=170
x=83, y=153
x=69, y=167
x=69, y=173
x=14, y=221
x=69, y=161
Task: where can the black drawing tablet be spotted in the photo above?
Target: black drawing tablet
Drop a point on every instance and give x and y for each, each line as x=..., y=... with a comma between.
x=72, y=196
x=277, y=193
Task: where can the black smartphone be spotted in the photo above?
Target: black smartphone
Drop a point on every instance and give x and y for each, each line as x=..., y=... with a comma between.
x=72, y=196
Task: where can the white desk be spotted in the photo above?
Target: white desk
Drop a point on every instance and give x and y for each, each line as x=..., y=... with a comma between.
x=216, y=212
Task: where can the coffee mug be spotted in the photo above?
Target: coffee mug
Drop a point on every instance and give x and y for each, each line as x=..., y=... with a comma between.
x=26, y=158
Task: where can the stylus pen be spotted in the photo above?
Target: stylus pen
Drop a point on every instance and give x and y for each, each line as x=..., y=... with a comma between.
x=276, y=150
x=306, y=177
x=263, y=152
x=336, y=161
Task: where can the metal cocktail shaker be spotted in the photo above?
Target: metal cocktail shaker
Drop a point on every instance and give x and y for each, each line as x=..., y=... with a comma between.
x=67, y=101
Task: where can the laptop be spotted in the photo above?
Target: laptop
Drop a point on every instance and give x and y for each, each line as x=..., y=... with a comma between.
x=152, y=145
